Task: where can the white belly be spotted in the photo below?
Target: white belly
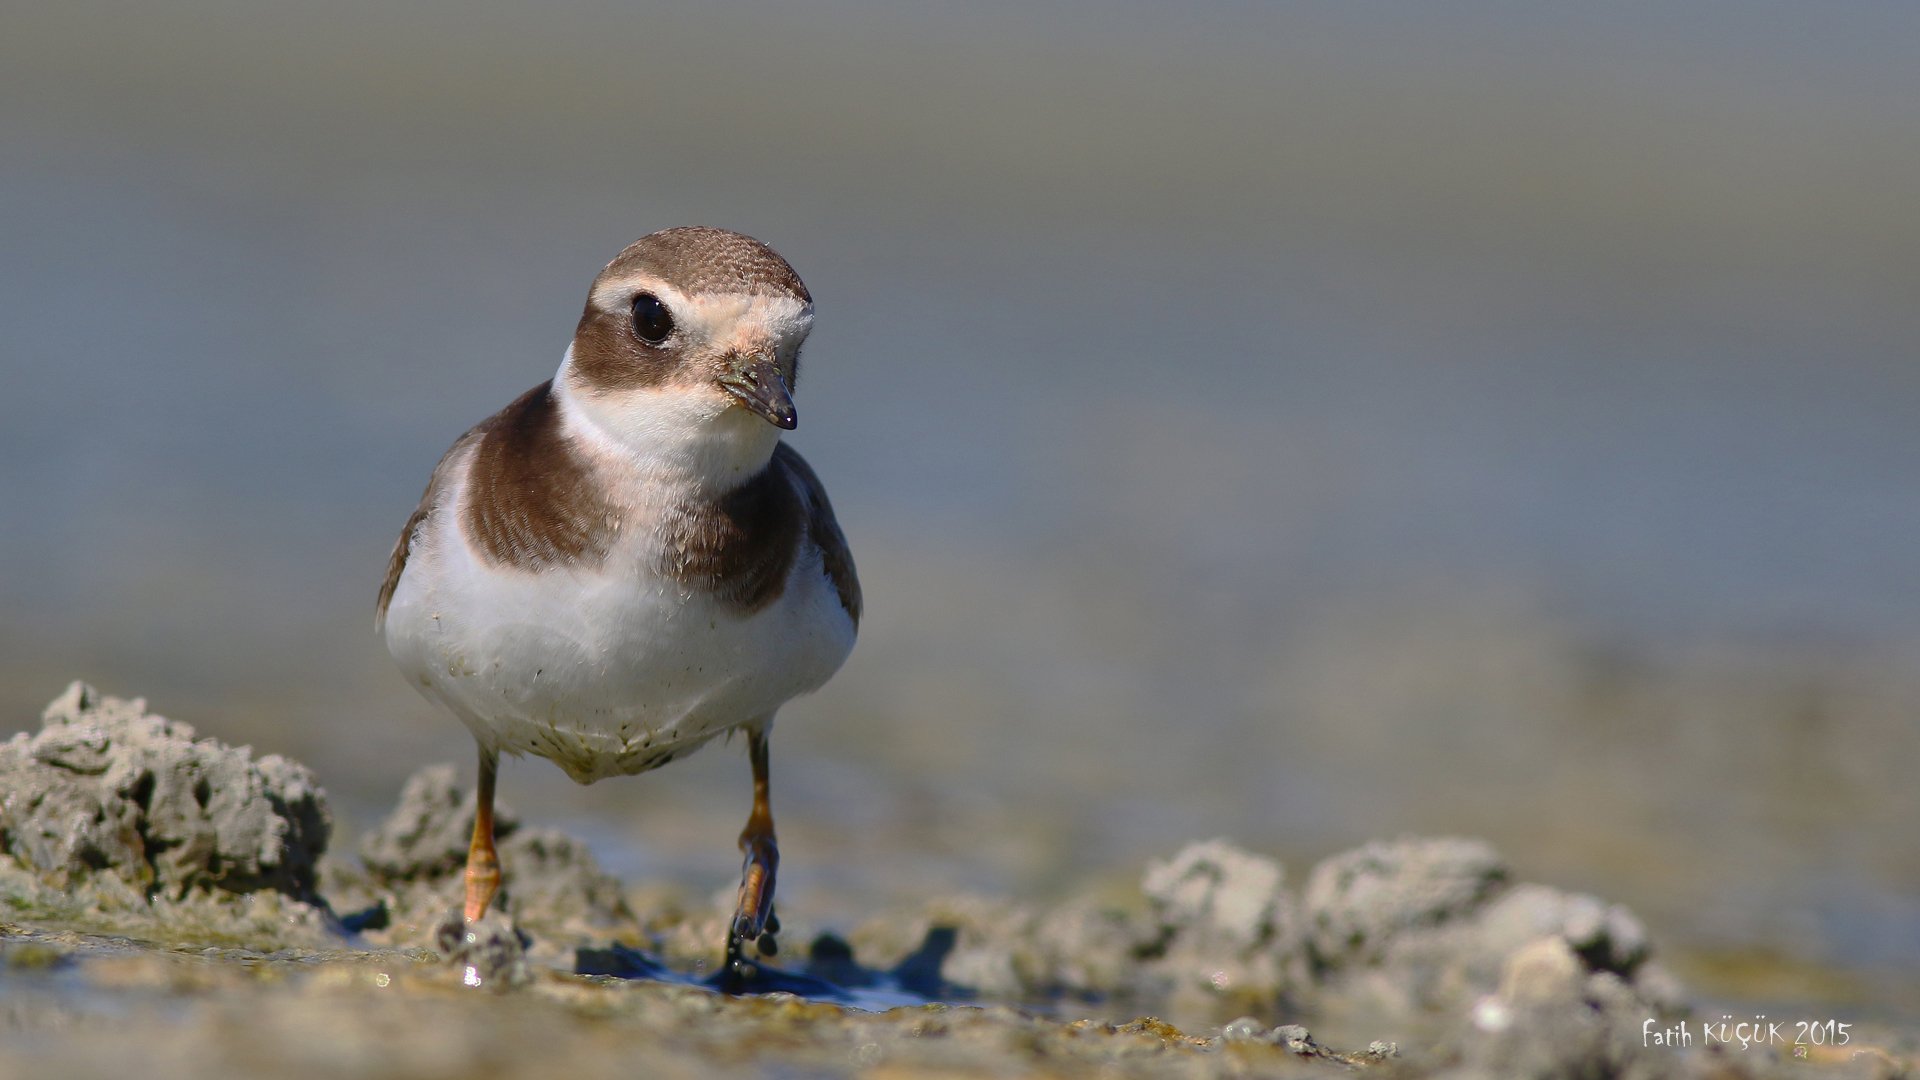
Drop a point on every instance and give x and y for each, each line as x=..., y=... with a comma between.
x=604, y=672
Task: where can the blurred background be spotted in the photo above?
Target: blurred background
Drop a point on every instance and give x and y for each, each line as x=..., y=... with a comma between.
x=1304, y=425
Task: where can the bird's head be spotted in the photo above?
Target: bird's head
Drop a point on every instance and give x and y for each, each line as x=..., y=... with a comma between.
x=691, y=333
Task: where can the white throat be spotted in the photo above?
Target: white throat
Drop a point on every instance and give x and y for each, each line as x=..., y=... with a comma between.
x=672, y=437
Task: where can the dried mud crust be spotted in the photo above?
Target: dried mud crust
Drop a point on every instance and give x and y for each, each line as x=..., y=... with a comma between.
x=205, y=933
x=107, y=789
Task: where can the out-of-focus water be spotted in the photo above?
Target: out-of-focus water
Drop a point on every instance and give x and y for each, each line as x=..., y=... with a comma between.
x=1304, y=425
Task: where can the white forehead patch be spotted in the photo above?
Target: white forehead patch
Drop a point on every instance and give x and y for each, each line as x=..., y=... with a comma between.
x=722, y=320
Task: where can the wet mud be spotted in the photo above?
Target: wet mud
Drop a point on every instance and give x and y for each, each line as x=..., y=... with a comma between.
x=168, y=904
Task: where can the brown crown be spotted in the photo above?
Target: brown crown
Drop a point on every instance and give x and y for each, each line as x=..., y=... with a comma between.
x=701, y=259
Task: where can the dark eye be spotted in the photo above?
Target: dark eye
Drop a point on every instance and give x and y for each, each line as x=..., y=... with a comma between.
x=651, y=319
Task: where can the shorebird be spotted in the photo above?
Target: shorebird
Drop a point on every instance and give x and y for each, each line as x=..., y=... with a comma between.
x=626, y=561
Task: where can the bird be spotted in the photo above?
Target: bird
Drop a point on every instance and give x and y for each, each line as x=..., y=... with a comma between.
x=627, y=562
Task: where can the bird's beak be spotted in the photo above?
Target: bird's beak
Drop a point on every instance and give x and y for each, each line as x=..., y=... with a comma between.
x=755, y=379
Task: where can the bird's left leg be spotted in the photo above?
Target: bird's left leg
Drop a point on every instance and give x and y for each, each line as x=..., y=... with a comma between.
x=483, y=862
x=753, y=919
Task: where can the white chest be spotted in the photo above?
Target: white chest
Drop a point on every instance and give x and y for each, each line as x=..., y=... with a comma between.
x=606, y=671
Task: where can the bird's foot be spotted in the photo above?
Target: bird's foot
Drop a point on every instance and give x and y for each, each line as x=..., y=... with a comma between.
x=752, y=933
x=748, y=948
x=754, y=923
x=489, y=951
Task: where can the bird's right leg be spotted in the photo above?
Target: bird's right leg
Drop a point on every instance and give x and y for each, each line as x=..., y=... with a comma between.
x=753, y=920
x=483, y=863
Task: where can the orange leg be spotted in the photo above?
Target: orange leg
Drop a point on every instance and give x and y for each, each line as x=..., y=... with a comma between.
x=753, y=917
x=483, y=863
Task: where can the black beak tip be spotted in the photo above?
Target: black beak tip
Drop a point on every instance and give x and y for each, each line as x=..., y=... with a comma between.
x=761, y=387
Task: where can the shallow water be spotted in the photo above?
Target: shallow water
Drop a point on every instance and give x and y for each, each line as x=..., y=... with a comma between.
x=878, y=992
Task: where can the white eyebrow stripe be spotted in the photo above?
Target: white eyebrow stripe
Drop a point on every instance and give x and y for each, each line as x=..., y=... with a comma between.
x=614, y=294
x=783, y=313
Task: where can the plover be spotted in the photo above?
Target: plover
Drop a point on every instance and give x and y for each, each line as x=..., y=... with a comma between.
x=627, y=561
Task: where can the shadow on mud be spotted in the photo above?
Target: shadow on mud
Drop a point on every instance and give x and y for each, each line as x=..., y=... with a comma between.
x=830, y=974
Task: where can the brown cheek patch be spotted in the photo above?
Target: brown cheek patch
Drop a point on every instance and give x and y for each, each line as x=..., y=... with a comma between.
x=531, y=502
x=608, y=357
x=741, y=545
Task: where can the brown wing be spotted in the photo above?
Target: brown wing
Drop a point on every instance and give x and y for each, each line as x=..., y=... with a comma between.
x=531, y=502
x=740, y=545
x=429, y=499
x=824, y=530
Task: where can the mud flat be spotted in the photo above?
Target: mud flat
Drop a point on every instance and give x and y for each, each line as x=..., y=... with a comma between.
x=169, y=907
